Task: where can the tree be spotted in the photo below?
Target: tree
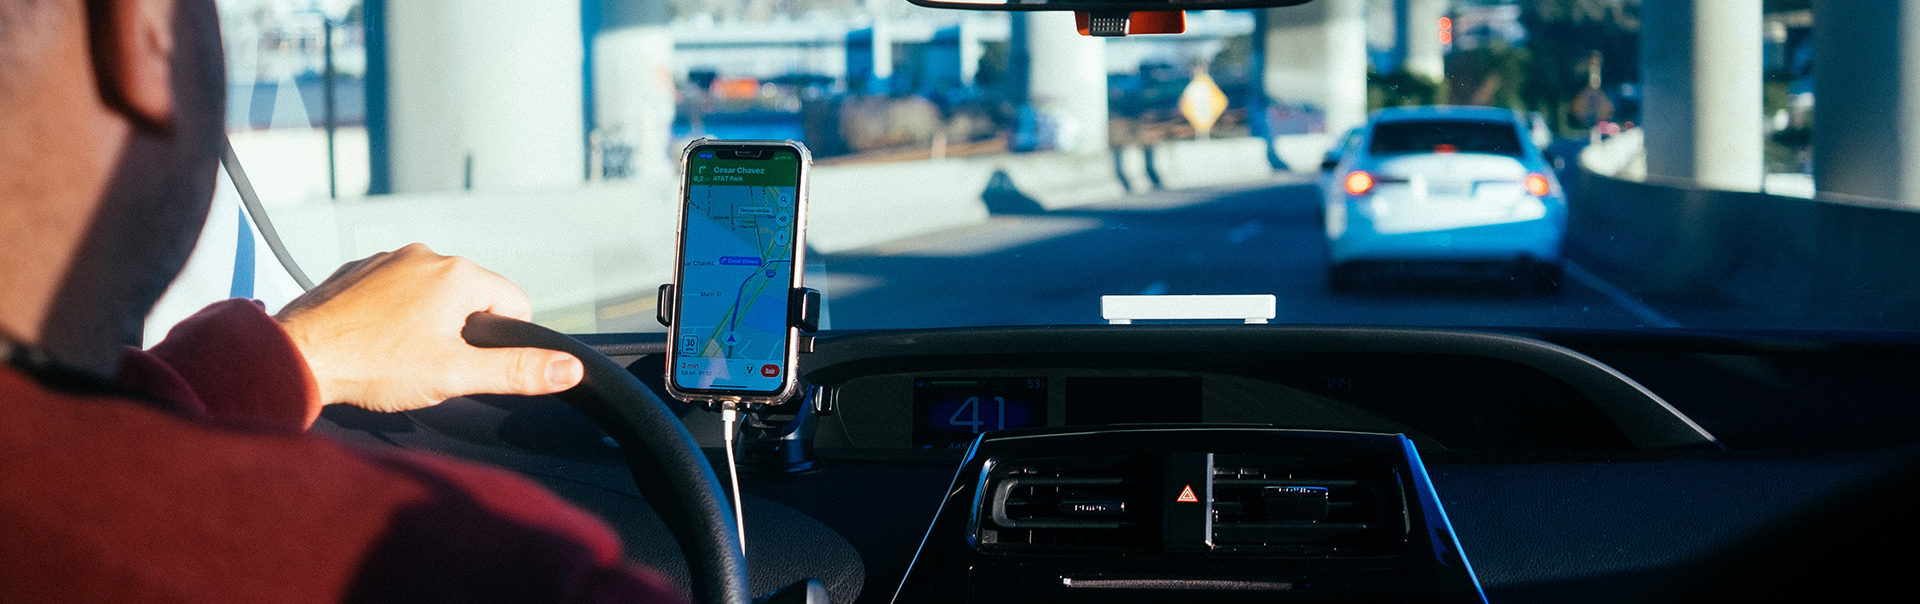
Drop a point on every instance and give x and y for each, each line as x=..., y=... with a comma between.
x=1404, y=89
x=1561, y=37
x=1493, y=75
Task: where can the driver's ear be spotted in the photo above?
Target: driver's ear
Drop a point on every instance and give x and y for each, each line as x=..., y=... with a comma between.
x=132, y=43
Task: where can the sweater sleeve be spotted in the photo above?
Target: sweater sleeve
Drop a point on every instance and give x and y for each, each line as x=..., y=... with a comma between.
x=233, y=365
x=411, y=527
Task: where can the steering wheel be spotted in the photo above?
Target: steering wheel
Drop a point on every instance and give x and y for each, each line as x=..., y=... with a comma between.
x=672, y=473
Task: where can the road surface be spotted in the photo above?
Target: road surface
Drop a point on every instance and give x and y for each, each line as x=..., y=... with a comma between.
x=1258, y=238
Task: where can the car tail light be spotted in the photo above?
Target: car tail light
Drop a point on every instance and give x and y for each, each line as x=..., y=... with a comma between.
x=1359, y=182
x=1537, y=185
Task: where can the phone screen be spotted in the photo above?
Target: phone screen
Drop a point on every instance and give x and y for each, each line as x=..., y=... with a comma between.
x=737, y=262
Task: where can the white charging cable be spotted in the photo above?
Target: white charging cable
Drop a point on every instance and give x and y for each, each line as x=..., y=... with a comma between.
x=728, y=416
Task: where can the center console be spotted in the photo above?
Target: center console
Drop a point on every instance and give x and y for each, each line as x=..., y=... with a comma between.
x=1189, y=513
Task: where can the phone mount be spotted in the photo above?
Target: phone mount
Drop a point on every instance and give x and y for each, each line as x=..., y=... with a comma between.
x=803, y=304
x=776, y=439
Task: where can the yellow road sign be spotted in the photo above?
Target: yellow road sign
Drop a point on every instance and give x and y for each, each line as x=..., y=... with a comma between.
x=1202, y=103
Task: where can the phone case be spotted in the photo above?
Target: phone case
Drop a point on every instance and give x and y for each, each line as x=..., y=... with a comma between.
x=790, y=380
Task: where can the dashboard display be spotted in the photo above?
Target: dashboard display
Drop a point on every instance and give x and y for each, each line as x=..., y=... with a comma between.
x=950, y=412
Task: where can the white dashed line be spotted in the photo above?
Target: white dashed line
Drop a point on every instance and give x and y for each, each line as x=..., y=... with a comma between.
x=1619, y=296
x=1242, y=233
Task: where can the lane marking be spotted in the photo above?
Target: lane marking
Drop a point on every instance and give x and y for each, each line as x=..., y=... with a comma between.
x=1619, y=296
x=908, y=244
x=996, y=234
x=643, y=304
x=1242, y=233
x=567, y=321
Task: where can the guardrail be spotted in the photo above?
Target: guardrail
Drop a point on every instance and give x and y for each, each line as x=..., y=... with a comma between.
x=1769, y=261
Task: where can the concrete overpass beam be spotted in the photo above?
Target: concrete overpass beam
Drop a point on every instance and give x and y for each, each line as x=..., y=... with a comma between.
x=1066, y=79
x=483, y=96
x=1701, y=69
x=633, y=86
x=1866, y=90
x=1417, y=39
x=1316, y=55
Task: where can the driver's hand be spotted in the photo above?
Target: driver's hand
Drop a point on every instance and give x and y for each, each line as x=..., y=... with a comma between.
x=383, y=333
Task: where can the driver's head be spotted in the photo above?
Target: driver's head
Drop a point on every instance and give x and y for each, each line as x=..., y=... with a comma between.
x=111, y=126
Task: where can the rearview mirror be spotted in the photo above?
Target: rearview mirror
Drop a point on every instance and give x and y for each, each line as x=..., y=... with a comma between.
x=1095, y=6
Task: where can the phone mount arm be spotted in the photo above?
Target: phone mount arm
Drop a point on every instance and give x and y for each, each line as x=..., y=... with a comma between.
x=771, y=441
x=803, y=305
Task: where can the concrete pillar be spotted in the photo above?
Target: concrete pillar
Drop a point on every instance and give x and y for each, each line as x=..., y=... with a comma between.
x=1416, y=40
x=1866, y=99
x=633, y=85
x=1067, y=80
x=1701, y=72
x=1316, y=55
x=880, y=44
x=483, y=95
x=953, y=56
x=870, y=59
x=970, y=51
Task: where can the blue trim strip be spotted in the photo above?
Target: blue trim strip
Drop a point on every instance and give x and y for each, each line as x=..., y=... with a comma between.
x=1431, y=501
x=243, y=260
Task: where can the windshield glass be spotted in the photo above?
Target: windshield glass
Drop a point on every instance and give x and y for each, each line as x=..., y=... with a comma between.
x=995, y=168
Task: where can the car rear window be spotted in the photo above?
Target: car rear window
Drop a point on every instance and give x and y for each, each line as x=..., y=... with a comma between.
x=1457, y=136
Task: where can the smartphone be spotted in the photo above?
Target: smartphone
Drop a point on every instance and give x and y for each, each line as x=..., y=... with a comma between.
x=743, y=221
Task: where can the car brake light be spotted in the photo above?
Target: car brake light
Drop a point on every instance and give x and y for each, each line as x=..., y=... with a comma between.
x=1537, y=185
x=1359, y=182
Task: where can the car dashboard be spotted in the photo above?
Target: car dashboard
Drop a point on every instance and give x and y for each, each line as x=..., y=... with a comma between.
x=1443, y=389
x=1520, y=466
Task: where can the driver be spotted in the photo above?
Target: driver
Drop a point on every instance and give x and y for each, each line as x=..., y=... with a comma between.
x=181, y=473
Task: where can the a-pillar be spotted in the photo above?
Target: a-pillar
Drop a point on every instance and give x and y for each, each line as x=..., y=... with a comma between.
x=633, y=86
x=1417, y=39
x=1866, y=108
x=1066, y=79
x=1701, y=73
x=479, y=95
x=1316, y=55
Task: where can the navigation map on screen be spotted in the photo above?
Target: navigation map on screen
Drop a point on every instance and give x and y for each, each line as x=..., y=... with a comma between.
x=738, y=268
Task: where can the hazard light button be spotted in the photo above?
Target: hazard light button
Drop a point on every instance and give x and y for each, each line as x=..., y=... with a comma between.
x=1187, y=523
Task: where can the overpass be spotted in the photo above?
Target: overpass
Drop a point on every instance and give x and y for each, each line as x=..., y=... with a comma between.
x=434, y=64
x=1695, y=224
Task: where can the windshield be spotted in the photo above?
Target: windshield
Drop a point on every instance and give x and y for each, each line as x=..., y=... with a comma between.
x=995, y=168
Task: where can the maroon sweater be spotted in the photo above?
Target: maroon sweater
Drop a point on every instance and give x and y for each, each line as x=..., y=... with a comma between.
x=216, y=494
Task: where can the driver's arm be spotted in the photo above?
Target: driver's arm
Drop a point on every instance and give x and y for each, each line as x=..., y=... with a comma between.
x=382, y=333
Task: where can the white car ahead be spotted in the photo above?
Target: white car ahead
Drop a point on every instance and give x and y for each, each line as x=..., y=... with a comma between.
x=1426, y=187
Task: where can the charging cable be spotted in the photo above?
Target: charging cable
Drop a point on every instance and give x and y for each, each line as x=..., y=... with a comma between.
x=728, y=417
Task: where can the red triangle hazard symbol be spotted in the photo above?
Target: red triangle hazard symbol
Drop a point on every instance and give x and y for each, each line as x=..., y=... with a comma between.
x=1186, y=496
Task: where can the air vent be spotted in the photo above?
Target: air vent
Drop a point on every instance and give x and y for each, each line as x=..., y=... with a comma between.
x=1068, y=504
x=1307, y=506
x=1260, y=504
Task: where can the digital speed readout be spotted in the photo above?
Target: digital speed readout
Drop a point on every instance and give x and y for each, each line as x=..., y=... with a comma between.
x=951, y=412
